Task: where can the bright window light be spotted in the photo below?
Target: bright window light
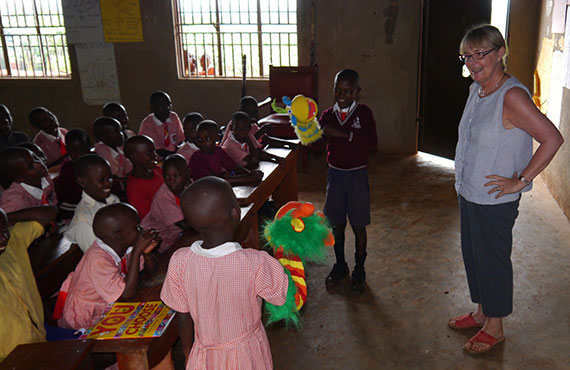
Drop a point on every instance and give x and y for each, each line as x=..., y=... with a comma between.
x=499, y=15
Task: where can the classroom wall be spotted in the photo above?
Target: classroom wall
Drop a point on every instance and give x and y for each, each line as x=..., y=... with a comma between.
x=557, y=174
x=347, y=34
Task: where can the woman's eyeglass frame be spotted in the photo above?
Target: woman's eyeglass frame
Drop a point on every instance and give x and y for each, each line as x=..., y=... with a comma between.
x=464, y=58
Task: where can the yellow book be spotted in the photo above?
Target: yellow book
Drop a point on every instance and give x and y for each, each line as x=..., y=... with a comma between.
x=122, y=320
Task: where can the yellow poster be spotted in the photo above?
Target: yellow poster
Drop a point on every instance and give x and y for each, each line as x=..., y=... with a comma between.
x=542, y=75
x=121, y=20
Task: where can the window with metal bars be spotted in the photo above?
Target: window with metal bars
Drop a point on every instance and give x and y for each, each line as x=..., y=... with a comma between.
x=32, y=39
x=219, y=38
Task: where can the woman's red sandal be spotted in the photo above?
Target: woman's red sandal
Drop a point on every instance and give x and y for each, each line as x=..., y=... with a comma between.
x=484, y=338
x=464, y=322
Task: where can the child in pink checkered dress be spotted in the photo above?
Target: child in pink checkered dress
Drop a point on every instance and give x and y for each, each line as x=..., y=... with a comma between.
x=217, y=287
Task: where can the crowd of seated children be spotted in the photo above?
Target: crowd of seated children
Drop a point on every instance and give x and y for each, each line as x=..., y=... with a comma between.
x=189, y=124
x=7, y=136
x=51, y=137
x=211, y=160
x=165, y=214
x=67, y=189
x=109, y=269
x=118, y=112
x=22, y=318
x=110, y=139
x=146, y=177
x=200, y=284
x=31, y=186
x=94, y=177
x=162, y=125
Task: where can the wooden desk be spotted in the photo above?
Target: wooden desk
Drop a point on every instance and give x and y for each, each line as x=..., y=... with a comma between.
x=63, y=354
x=279, y=181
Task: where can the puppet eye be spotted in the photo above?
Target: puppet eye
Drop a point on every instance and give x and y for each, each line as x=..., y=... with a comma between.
x=297, y=224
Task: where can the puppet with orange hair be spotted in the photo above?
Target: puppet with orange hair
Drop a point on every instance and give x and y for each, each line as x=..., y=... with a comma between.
x=298, y=234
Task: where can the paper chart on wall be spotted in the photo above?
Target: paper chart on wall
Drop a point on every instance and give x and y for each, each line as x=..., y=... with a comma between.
x=542, y=75
x=82, y=21
x=121, y=20
x=97, y=73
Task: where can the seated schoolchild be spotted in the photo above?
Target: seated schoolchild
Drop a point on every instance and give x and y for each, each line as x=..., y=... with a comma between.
x=241, y=148
x=165, y=214
x=51, y=137
x=163, y=126
x=35, y=149
x=109, y=270
x=118, y=112
x=31, y=185
x=217, y=287
x=67, y=189
x=188, y=146
x=211, y=160
x=22, y=318
x=94, y=177
x=109, y=145
x=7, y=136
x=146, y=177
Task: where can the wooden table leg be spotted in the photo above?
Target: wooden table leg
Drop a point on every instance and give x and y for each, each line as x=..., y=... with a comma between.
x=133, y=360
x=287, y=190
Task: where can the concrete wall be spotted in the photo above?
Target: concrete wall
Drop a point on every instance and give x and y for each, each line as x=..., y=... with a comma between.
x=557, y=174
x=347, y=34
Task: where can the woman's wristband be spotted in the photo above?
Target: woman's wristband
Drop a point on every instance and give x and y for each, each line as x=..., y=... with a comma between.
x=521, y=178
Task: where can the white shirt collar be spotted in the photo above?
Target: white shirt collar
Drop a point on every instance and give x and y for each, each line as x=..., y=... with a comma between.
x=219, y=251
x=89, y=199
x=111, y=251
x=192, y=145
x=49, y=136
x=36, y=192
x=159, y=122
x=337, y=108
x=114, y=153
x=232, y=137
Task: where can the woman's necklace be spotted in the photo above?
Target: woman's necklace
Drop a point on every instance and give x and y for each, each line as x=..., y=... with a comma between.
x=482, y=93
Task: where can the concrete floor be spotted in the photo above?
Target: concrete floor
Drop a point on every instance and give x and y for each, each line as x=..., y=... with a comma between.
x=416, y=281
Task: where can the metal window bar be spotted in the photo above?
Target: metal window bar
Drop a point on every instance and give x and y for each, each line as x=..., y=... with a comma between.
x=268, y=44
x=32, y=39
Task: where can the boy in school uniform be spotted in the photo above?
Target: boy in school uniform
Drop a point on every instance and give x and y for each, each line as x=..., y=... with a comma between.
x=350, y=130
x=22, y=318
x=51, y=137
x=217, y=287
x=94, y=176
x=110, y=138
x=31, y=185
x=165, y=213
x=211, y=160
x=67, y=189
x=118, y=112
x=7, y=136
x=146, y=177
x=163, y=125
x=189, y=124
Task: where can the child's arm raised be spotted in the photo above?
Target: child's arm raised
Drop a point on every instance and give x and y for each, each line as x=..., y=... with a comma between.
x=145, y=243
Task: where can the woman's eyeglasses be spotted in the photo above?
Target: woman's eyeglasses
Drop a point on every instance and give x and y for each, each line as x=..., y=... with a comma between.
x=476, y=56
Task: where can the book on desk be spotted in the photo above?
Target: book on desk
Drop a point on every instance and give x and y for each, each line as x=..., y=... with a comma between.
x=122, y=320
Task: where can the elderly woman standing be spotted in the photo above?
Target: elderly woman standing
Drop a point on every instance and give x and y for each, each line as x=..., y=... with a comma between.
x=494, y=163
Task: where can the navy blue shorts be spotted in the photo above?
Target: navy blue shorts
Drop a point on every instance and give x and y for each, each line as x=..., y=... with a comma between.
x=348, y=193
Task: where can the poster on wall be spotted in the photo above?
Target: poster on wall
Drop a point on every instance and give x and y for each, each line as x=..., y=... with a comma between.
x=97, y=73
x=121, y=20
x=82, y=21
x=542, y=75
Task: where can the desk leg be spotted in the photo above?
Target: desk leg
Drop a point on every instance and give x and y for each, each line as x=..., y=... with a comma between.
x=134, y=360
x=166, y=363
x=287, y=190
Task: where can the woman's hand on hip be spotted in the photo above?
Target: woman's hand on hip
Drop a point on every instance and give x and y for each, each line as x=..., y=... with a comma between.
x=505, y=185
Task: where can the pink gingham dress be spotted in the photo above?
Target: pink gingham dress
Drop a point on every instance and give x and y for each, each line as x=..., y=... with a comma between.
x=222, y=288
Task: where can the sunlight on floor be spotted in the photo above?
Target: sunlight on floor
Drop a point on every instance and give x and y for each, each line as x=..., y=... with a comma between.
x=435, y=160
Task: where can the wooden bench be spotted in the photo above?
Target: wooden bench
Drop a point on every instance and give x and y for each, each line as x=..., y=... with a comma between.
x=61, y=355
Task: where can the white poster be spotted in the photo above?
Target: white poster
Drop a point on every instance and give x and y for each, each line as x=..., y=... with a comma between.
x=97, y=73
x=566, y=56
x=556, y=79
x=82, y=21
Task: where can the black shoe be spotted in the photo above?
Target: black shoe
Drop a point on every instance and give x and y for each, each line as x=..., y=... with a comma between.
x=358, y=281
x=339, y=272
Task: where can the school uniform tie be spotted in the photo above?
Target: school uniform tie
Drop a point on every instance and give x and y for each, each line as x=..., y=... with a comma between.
x=62, y=148
x=45, y=200
x=343, y=115
x=166, y=136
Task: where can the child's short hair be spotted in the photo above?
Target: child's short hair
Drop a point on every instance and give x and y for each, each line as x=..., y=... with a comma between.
x=101, y=124
x=34, y=148
x=156, y=96
x=209, y=125
x=77, y=135
x=193, y=117
x=10, y=158
x=239, y=116
x=85, y=163
x=133, y=142
x=33, y=116
x=247, y=101
x=111, y=216
x=174, y=160
x=110, y=108
x=349, y=75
